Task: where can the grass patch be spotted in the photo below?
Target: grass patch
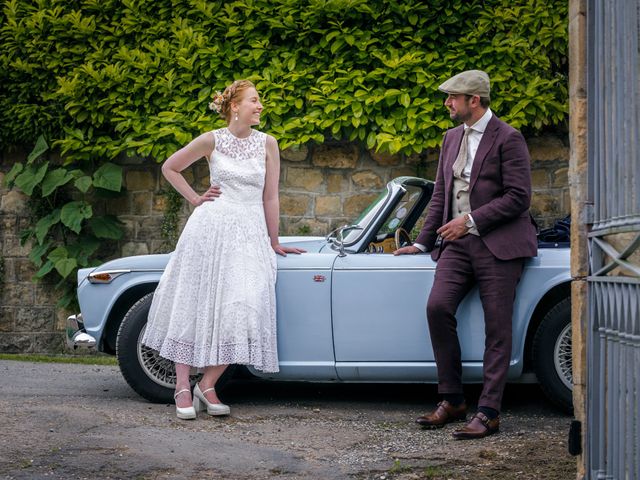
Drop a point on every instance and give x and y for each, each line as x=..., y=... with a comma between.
x=43, y=358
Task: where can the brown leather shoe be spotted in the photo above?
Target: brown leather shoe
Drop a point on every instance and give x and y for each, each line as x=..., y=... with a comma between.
x=479, y=427
x=445, y=413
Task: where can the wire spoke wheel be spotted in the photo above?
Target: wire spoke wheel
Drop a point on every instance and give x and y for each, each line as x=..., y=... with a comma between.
x=159, y=369
x=562, y=358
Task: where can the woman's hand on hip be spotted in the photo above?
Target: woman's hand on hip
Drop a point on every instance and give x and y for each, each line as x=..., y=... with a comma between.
x=210, y=195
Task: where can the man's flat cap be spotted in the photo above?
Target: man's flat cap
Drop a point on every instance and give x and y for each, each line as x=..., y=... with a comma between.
x=471, y=82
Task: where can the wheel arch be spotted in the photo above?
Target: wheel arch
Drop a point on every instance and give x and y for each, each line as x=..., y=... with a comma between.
x=121, y=306
x=544, y=305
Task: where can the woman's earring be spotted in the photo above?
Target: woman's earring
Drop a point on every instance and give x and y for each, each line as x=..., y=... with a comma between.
x=236, y=117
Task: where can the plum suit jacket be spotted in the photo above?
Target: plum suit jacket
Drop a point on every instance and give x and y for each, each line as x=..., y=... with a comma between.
x=499, y=192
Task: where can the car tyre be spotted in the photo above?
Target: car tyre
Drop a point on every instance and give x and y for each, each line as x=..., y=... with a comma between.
x=552, y=361
x=150, y=375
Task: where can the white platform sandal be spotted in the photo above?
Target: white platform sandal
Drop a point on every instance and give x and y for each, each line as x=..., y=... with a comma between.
x=186, y=413
x=200, y=403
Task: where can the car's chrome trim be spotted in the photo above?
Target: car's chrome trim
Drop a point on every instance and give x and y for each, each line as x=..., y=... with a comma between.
x=76, y=335
x=93, y=277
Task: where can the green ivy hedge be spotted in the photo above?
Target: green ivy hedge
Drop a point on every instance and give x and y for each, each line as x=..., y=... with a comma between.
x=98, y=79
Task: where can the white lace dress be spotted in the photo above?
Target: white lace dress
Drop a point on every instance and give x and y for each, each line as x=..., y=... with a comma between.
x=215, y=303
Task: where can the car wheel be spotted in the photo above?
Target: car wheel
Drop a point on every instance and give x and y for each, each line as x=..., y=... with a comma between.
x=552, y=359
x=150, y=375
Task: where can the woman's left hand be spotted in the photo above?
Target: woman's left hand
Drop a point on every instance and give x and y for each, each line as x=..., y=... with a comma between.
x=280, y=250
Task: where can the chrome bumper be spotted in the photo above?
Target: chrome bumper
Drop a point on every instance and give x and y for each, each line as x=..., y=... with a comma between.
x=76, y=335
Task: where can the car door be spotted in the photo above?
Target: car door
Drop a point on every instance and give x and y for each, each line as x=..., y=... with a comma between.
x=379, y=318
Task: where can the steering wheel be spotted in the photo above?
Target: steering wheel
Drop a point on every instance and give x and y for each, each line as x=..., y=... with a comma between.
x=402, y=238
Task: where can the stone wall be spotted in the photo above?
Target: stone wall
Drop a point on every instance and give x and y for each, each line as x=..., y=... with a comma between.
x=321, y=187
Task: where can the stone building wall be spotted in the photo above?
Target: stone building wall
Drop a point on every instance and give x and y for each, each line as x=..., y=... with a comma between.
x=321, y=187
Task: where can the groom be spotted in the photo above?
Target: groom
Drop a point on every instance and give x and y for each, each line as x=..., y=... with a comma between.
x=480, y=231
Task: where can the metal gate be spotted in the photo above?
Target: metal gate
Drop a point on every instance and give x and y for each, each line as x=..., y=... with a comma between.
x=613, y=339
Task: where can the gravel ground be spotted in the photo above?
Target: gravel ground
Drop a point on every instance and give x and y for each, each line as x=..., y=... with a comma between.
x=66, y=421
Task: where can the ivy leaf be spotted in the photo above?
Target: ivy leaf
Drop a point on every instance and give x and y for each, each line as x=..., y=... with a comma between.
x=45, y=223
x=46, y=268
x=58, y=253
x=37, y=252
x=13, y=173
x=40, y=147
x=73, y=213
x=65, y=266
x=83, y=183
x=109, y=177
x=30, y=177
x=107, y=226
x=84, y=248
x=54, y=179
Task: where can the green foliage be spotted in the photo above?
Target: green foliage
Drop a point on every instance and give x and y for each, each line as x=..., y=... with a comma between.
x=103, y=78
x=66, y=234
x=169, y=228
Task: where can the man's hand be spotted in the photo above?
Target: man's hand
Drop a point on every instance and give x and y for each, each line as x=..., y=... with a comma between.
x=408, y=250
x=280, y=250
x=454, y=229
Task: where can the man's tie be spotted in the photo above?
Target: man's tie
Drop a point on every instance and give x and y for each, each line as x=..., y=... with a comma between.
x=461, y=159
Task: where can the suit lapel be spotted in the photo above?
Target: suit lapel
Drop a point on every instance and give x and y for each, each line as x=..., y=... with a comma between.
x=488, y=138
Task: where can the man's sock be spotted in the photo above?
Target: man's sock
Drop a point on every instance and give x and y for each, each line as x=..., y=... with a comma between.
x=491, y=413
x=454, y=399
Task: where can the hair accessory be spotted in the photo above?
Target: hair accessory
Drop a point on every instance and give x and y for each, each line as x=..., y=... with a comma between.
x=217, y=102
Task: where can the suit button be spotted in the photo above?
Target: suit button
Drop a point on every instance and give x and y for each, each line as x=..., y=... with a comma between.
x=459, y=211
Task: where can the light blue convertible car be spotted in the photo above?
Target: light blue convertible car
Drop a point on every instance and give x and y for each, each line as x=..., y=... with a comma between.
x=348, y=310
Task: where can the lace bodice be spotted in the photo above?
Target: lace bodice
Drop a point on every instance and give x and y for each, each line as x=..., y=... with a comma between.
x=238, y=165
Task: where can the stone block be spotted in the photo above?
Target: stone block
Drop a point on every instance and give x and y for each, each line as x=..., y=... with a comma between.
x=309, y=179
x=24, y=269
x=294, y=205
x=9, y=223
x=579, y=323
x=547, y=148
x=329, y=205
x=49, y=343
x=577, y=49
x=384, y=159
x=307, y=226
x=61, y=315
x=540, y=178
x=561, y=177
x=120, y=205
x=14, y=202
x=141, y=203
x=134, y=248
x=11, y=247
x=431, y=170
x=34, y=319
x=140, y=180
x=160, y=203
x=578, y=130
x=295, y=154
x=403, y=172
x=335, y=156
x=149, y=228
x=544, y=205
x=6, y=319
x=15, y=343
x=336, y=183
x=129, y=227
x=355, y=204
x=367, y=180
x=9, y=274
x=46, y=295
